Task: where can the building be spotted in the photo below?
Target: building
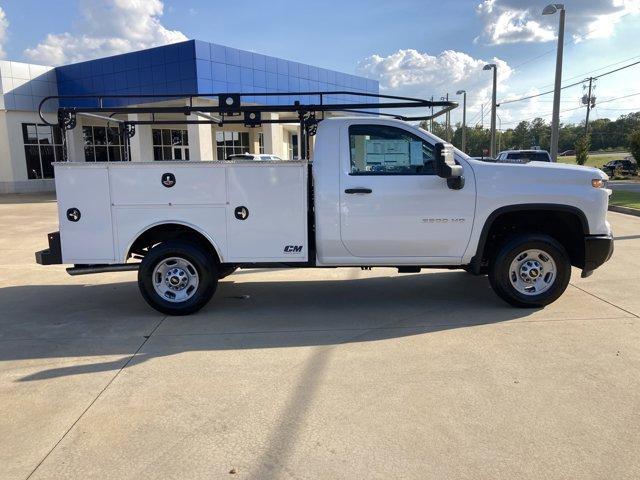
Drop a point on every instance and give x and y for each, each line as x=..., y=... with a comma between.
x=28, y=147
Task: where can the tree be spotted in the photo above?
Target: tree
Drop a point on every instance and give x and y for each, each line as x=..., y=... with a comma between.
x=634, y=144
x=583, y=144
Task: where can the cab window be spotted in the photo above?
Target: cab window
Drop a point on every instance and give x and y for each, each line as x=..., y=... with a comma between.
x=386, y=150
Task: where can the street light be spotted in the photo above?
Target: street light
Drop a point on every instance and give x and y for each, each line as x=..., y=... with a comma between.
x=493, y=107
x=464, y=117
x=555, y=119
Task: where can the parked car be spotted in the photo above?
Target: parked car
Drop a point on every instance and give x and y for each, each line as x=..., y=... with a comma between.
x=568, y=153
x=485, y=159
x=523, y=156
x=256, y=157
x=626, y=166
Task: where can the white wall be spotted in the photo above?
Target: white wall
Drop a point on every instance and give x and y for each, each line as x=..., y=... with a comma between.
x=13, y=165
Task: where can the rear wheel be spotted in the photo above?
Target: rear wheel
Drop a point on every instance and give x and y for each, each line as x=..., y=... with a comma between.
x=177, y=277
x=530, y=270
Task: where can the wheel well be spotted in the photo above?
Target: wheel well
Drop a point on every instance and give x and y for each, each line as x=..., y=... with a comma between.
x=566, y=227
x=170, y=231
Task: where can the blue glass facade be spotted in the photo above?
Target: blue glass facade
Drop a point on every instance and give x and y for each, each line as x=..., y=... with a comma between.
x=201, y=67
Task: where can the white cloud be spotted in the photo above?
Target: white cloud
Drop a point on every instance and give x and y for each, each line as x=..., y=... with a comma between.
x=413, y=73
x=505, y=24
x=602, y=24
x=107, y=27
x=512, y=21
x=4, y=26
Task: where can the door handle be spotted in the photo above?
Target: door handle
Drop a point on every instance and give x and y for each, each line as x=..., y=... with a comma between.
x=358, y=190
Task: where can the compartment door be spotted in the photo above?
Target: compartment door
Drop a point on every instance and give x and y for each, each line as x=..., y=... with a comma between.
x=267, y=213
x=84, y=210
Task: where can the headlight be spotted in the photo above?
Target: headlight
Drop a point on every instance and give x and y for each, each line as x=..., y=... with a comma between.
x=598, y=183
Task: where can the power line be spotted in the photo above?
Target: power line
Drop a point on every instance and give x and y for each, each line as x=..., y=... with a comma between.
x=534, y=58
x=564, y=44
x=537, y=94
x=618, y=98
x=570, y=85
x=541, y=115
x=582, y=75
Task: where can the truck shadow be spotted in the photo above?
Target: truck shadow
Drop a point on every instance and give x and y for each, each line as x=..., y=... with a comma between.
x=62, y=321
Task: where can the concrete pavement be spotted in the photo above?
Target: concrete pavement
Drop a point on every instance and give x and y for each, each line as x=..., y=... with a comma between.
x=315, y=374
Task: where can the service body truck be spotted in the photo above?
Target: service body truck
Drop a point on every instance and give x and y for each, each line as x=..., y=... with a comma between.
x=376, y=192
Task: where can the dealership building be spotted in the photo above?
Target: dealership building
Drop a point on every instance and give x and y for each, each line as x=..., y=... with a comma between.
x=28, y=147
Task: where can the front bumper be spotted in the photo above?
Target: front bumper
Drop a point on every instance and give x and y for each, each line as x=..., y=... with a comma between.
x=53, y=254
x=597, y=250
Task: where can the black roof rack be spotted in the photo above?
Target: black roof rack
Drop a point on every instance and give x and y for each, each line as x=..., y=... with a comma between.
x=231, y=110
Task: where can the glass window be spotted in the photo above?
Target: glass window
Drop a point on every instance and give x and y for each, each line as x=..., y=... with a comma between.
x=100, y=135
x=524, y=157
x=44, y=135
x=42, y=147
x=385, y=150
x=29, y=134
x=102, y=144
x=34, y=168
x=260, y=142
x=170, y=144
x=293, y=146
x=156, y=135
x=101, y=154
x=231, y=143
x=87, y=135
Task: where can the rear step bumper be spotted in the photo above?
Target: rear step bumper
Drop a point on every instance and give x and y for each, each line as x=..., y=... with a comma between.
x=53, y=254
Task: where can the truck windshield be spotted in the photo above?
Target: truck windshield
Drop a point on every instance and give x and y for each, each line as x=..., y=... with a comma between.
x=529, y=156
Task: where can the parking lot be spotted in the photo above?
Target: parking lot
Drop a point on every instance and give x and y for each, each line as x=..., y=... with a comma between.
x=314, y=373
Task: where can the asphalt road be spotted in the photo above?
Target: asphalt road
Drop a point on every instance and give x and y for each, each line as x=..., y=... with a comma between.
x=625, y=185
x=315, y=374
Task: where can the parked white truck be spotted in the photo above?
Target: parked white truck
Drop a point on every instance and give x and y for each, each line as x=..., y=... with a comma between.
x=377, y=192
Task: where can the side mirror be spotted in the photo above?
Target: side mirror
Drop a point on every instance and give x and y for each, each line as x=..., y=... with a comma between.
x=446, y=166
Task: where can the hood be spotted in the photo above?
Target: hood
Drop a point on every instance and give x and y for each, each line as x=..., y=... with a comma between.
x=550, y=173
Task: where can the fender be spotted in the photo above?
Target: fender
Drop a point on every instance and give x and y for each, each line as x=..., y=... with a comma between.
x=476, y=260
x=173, y=222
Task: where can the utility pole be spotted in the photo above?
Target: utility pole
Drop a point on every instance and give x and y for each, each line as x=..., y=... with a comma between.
x=589, y=102
x=464, y=118
x=494, y=67
x=431, y=119
x=555, y=119
x=482, y=116
x=499, y=133
x=448, y=121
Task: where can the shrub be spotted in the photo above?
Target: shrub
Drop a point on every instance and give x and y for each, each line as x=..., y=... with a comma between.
x=582, y=146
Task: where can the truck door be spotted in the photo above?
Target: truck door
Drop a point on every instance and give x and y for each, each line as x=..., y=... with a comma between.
x=391, y=202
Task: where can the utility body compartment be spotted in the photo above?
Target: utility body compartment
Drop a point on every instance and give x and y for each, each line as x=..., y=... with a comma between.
x=249, y=211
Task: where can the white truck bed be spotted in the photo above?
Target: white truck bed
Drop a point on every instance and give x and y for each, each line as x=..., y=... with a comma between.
x=119, y=201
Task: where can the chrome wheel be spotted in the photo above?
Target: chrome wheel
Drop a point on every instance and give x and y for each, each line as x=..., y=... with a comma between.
x=175, y=279
x=532, y=272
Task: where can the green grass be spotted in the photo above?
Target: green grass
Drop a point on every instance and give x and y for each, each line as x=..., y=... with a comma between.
x=595, y=159
x=622, y=198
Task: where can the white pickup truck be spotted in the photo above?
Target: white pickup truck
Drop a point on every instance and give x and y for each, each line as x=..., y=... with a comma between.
x=377, y=192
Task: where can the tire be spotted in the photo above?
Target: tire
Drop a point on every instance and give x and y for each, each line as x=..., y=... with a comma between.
x=226, y=270
x=516, y=277
x=180, y=269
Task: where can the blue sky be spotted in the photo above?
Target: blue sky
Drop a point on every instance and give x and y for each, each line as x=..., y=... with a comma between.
x=419, y=48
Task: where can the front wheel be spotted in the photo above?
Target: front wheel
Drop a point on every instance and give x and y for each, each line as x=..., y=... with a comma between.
x=177, y=278
x=530, y=270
